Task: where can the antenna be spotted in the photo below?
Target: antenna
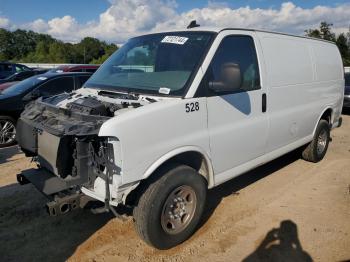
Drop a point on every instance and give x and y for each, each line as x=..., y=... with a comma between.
x=193, y=24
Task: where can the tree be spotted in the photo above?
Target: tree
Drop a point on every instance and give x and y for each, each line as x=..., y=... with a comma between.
x=109, y=49
x=342, y=43
x=57, y=53
x=326, y=31
x=313, y=33
x=5, y=43
x=28, y=46
x=90, y=48
x=342, y=40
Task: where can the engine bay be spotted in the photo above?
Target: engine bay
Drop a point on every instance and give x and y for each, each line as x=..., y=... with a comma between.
x=61, y=132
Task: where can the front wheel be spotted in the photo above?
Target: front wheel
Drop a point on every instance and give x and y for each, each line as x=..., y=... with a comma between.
x=7, y=131
x=170, y=209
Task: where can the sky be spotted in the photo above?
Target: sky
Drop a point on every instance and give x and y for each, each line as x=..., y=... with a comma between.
x=117, y=20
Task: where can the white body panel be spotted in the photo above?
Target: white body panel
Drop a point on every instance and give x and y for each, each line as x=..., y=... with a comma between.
x=148, y=133
x=301, y=78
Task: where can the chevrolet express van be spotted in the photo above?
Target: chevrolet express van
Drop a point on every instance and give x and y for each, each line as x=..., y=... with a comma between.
x=172, y=114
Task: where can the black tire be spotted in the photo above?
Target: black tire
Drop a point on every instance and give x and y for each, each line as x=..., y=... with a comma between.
x=151, y=208
x=313, y=151
x=5, y=140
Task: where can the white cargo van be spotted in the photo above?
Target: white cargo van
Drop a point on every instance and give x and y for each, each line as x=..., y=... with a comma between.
x=172, y=114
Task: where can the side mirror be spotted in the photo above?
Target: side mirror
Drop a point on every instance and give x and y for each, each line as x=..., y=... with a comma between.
x=230, y=79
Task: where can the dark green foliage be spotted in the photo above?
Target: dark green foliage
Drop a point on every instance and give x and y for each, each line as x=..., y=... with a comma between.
x=342, y=40
x=28, y=46
x=31, y=47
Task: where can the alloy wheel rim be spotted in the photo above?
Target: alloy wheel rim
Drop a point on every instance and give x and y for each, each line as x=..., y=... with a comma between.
x=322, y=142
x=7, y=132
x=178, y=209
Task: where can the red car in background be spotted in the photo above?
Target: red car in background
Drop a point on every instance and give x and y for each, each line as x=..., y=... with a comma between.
x=76, y=68
x=7, y=85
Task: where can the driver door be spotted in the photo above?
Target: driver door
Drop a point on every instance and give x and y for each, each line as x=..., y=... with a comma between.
x=237, y=122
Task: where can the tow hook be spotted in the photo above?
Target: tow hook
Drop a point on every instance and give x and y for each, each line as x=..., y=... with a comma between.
x=22, y=180
x=62, y=205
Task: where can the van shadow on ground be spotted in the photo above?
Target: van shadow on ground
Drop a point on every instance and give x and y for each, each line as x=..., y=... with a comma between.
x=27, y=233
x=8, y=152
x=281, y=244
x=231, y=187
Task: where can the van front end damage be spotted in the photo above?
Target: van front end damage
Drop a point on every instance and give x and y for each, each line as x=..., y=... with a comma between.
x=74, y=164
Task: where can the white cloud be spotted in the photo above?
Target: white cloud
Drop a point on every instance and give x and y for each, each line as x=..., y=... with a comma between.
x=65, y=28
x=126, y=18
x=4, y=22
x=38, y=25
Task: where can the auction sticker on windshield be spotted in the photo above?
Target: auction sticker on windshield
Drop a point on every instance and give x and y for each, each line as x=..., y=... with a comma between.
x=164, y=90
x=172, y=39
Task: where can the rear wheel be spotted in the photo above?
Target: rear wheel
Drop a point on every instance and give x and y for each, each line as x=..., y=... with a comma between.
x=7, y=131
x=316, y=150
x=170, y=209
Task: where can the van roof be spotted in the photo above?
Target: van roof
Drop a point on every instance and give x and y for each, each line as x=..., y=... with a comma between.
x=220, y=29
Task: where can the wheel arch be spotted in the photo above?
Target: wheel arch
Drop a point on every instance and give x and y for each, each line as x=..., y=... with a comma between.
x=327, y=114
x=192, y=156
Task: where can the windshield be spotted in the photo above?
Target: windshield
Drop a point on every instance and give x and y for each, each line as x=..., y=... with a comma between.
x=347, y=79
x=24, y=85
x=153, y=64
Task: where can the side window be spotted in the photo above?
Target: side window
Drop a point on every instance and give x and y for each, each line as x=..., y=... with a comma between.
x=91, y=70
x=57, y=86
x=7, y=68
x=77, y=70
x=23, y=75
x=239, y=50
x=82, y=80
x=18, y=68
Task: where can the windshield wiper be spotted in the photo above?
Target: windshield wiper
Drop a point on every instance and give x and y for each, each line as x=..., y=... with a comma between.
x=120, y=95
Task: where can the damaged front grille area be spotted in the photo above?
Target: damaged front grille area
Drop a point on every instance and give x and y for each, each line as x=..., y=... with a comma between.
x=65, y=142
x=61, y=134
x=79, y=160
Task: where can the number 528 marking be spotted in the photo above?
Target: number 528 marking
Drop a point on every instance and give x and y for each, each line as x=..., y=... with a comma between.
x=191, y=107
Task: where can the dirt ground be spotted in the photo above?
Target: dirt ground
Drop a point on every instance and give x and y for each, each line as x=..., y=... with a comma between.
x=287, y=210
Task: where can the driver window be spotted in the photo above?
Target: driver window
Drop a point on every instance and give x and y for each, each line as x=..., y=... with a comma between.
x=239, y=50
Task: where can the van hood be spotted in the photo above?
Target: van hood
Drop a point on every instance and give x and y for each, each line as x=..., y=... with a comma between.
x=82, y=112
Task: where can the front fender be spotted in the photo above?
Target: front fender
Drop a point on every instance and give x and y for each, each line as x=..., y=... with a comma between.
x=150, y=132
x=209, y=177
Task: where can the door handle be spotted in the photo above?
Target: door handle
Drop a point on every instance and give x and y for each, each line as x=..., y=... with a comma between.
x=263, y=104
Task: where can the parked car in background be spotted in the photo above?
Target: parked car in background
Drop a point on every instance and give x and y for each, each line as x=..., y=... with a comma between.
x=347, y=91
x=76, y=68
x=7, y=85
x=14, y=98
x=7, y=69
x=19, y=76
